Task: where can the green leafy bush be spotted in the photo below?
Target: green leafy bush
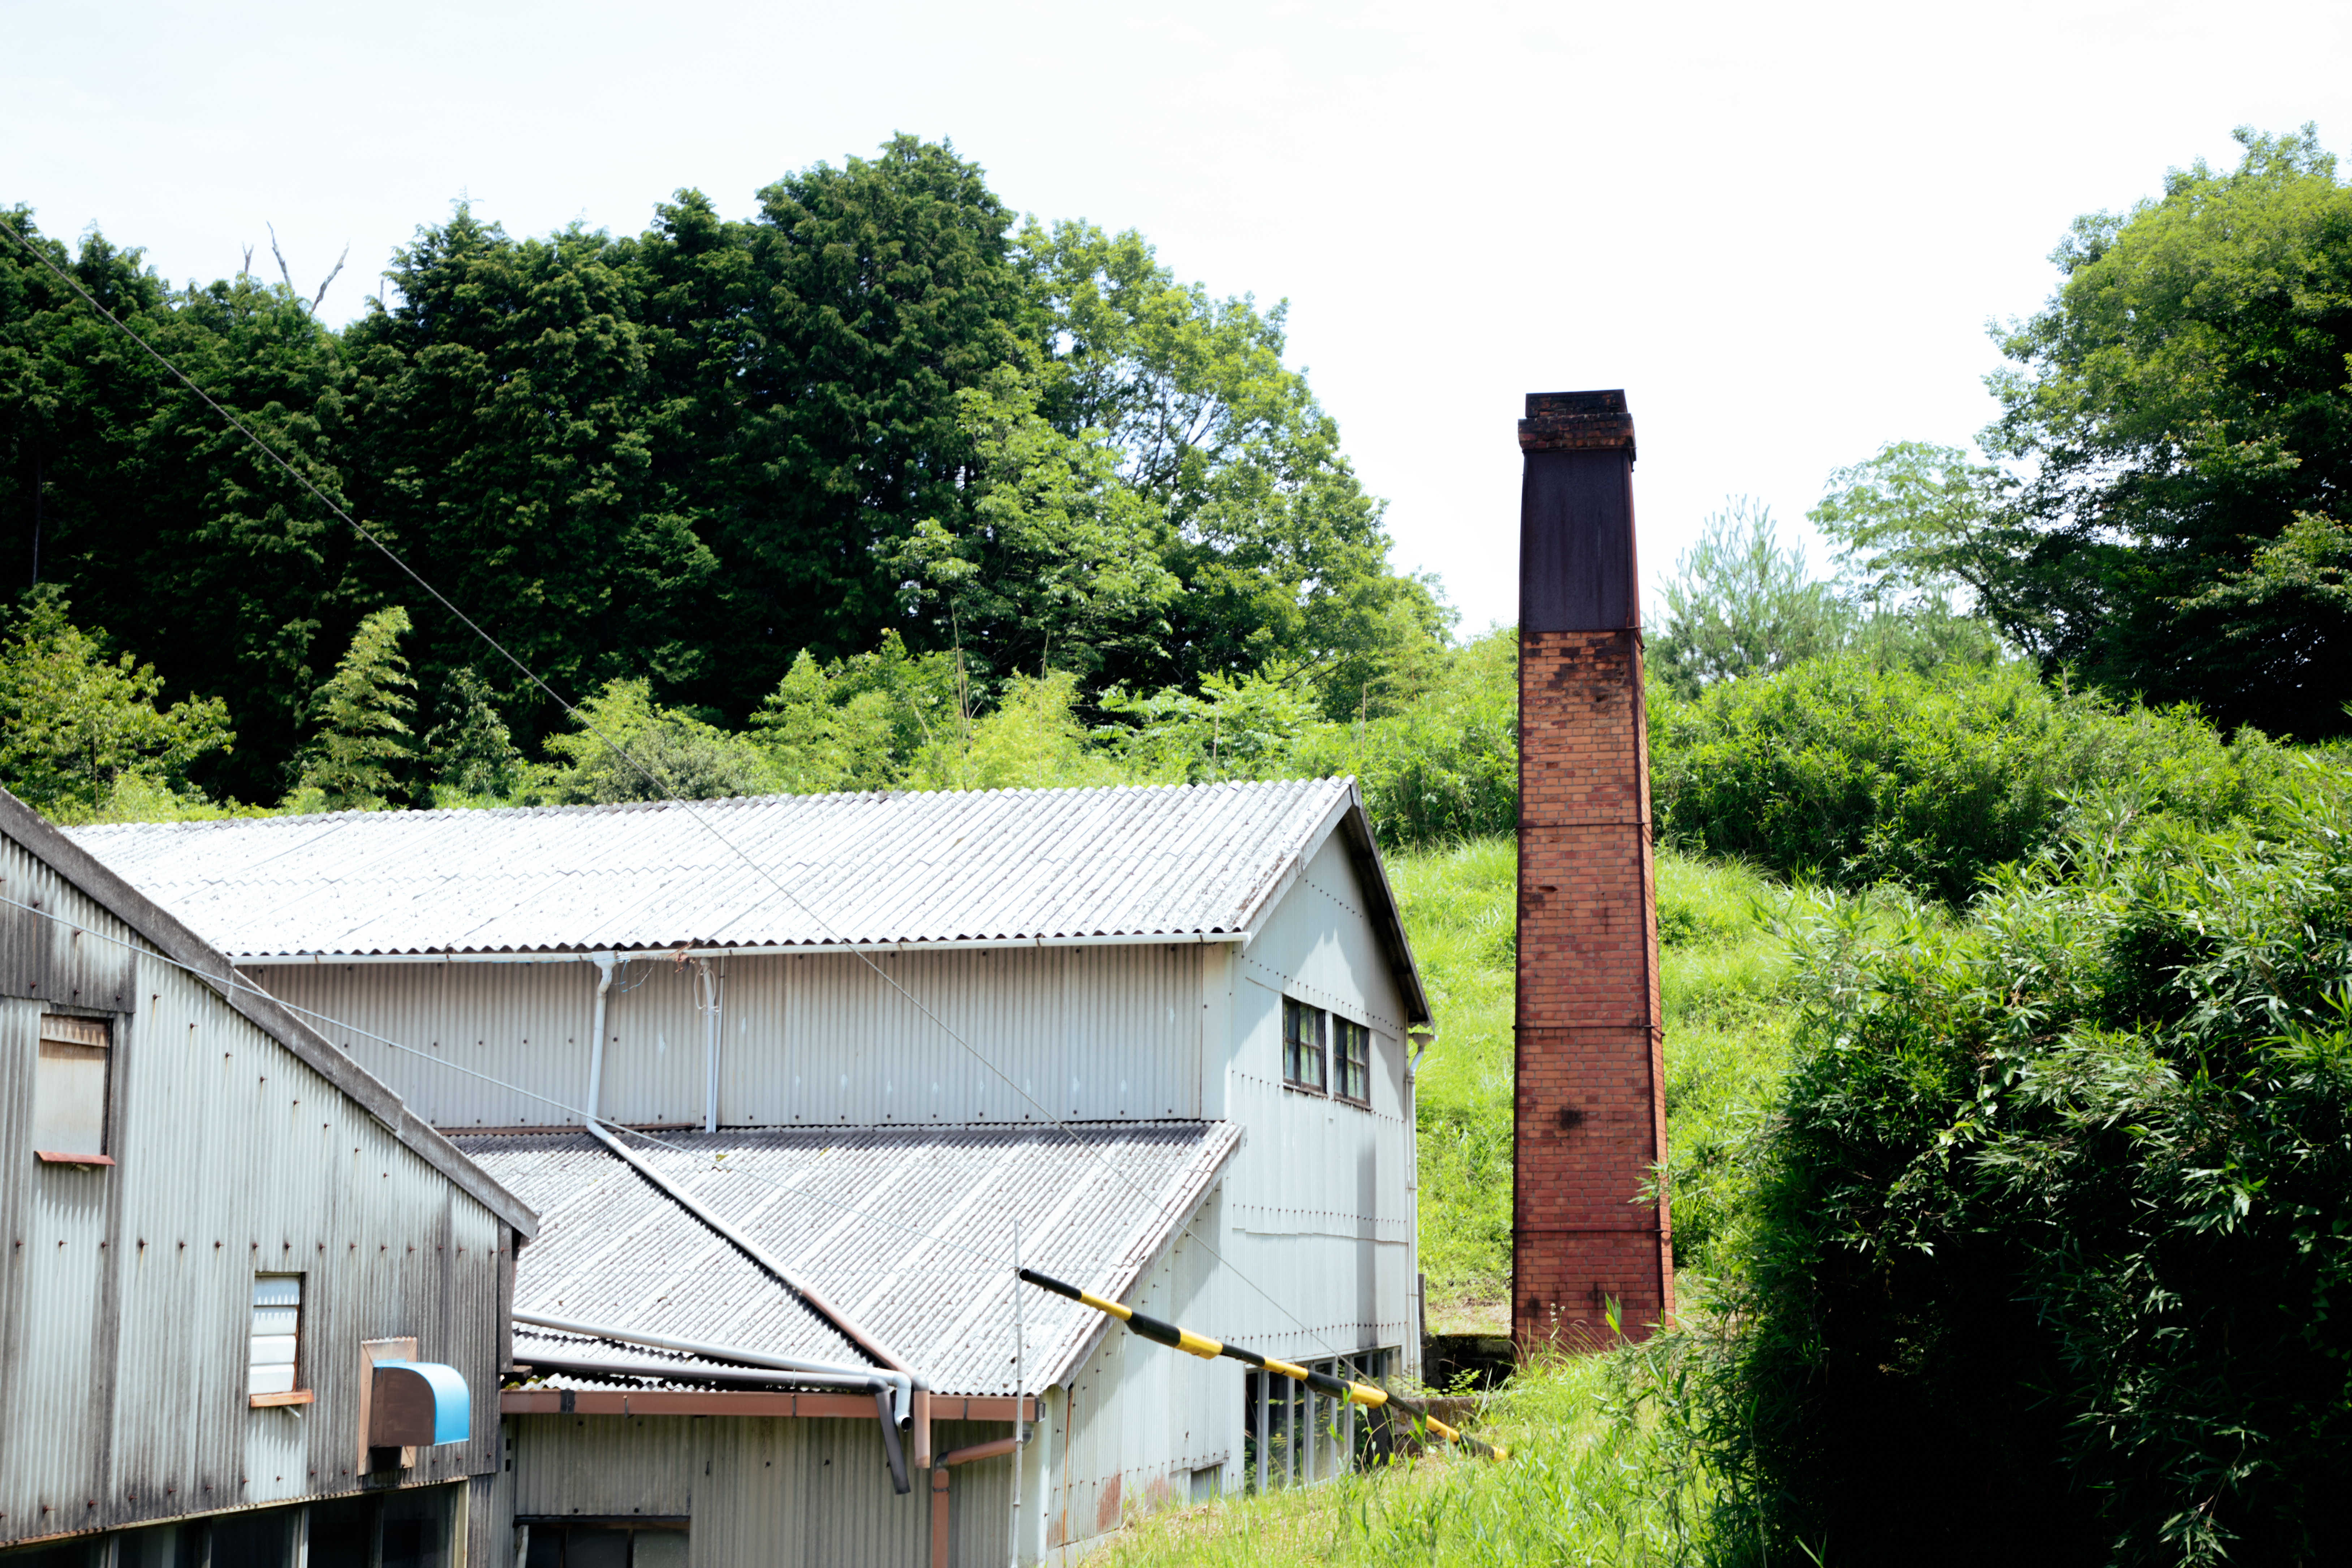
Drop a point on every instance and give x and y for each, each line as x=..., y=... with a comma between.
x=84, y=729
x=1855, y=775
x=2050, y=1233
x=1446, y=767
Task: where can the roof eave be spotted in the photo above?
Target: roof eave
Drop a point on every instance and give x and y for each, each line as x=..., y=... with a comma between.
x=176, y=943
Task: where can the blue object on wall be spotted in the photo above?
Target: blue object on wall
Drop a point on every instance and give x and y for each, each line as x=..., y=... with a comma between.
x=412, y=1398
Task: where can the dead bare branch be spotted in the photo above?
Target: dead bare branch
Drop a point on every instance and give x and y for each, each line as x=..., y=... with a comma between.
x=322, y=294
x=283, y=271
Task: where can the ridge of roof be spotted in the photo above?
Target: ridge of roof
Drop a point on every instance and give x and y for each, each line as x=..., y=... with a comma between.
x=591, y=808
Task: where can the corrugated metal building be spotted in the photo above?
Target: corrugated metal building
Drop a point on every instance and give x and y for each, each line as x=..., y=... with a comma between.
x=215, y=1220
x=1164, y=1031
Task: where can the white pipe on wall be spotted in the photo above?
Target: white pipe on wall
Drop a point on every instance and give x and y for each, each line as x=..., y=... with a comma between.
x=708, y=987
x=604, y=963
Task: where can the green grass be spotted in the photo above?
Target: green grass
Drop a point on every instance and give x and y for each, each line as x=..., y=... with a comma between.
x=1723, y=976
x=1598, y=1473
x=1601, y=1468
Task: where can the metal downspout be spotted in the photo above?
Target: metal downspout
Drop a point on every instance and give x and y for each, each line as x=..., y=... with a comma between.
x=604, y=963
x=710, y=1038
x=1413, y=1163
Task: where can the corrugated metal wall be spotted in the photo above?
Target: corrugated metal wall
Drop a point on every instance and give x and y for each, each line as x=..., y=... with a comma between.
x=1320, y=1199
x=1093, y=1033
x=1138, y=1418
x=779, y=1493
x=125, y=1309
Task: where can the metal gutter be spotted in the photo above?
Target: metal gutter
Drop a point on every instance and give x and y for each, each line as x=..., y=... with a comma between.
x=782, y=950
x=692, y=1347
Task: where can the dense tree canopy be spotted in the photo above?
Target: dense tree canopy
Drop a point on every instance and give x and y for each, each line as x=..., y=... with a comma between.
x=683, y=457
x=2186, y=412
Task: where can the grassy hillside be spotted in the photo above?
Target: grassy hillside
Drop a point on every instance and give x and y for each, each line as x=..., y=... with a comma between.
x=1600, y=1472
x=1604, y=1468
x=1723, y=972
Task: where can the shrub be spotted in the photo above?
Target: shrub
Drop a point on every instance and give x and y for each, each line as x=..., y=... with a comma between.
x=1445, y=769
x=1840, y=771
x=2052, y=1231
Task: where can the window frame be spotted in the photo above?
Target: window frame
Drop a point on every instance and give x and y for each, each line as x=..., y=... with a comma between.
x=298, y=1393
x=1294, y=1051
x=1345, y=1032
x=70, y=1031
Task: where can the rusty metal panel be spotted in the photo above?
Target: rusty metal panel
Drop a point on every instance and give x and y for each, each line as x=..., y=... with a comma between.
x=64, y=963
x=126, y=1305
x=811, y=1493
x=957, y=867
x=606, y=1464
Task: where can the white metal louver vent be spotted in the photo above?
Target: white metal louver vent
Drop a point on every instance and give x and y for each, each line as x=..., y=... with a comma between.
x=277, y=1332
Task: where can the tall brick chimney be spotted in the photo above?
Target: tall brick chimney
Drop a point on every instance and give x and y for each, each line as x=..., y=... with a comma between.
x=1590, y=1107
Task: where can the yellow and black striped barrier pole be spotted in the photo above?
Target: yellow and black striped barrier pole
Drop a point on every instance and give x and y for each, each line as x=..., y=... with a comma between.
x=1190, y=1343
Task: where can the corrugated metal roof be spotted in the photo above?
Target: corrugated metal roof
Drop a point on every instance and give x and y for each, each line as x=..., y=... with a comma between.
x=909, y=1231
x=769, y=871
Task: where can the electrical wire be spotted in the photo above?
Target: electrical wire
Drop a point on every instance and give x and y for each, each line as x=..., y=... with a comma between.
x=247, y=988
x=658, y=781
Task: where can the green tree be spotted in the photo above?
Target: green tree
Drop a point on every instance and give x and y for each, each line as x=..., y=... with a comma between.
x=1280, y=555
x=1908, y=521
x=1032, y=739
x=1236, y=727
x=627, y=747
x=158, y=518
x=880, y=290
x=361, y=756
x=79, y=721
x=2182, y=404
x=470, y=752
x=1740, y=604
x=509, y=413
x=2054, y=1204
x=1061, y=561
x=1856, y=775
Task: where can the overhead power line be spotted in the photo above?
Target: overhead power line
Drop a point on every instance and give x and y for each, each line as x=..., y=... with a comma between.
x=661, y=783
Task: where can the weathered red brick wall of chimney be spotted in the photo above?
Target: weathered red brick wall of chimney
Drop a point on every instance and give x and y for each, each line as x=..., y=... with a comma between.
x=1591, y=1105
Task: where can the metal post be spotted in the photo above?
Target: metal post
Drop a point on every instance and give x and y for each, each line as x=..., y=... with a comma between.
x=1347, y=1423
x=1020, y=1376
x=1314, y=1421
x=1265, y=1424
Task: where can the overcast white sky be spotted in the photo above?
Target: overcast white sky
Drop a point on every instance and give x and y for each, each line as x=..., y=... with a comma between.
x=1781, y=229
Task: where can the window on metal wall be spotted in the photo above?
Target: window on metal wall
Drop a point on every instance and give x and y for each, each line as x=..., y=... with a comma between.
x=608, y=1546
x=1351, y=1046
x=274, y=1363
x=417, y=1528
x=1302, y=1045
x=70, y=1083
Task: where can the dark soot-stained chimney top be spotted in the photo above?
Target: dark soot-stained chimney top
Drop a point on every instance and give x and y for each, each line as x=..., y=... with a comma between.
x=1577, y=422
x=1577, y=571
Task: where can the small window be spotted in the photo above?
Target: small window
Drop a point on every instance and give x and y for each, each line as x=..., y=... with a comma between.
x=609, y=1543
x=70, y=1090
x=1352, y=1056
x=277, y=1350
x=1302, y=1045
